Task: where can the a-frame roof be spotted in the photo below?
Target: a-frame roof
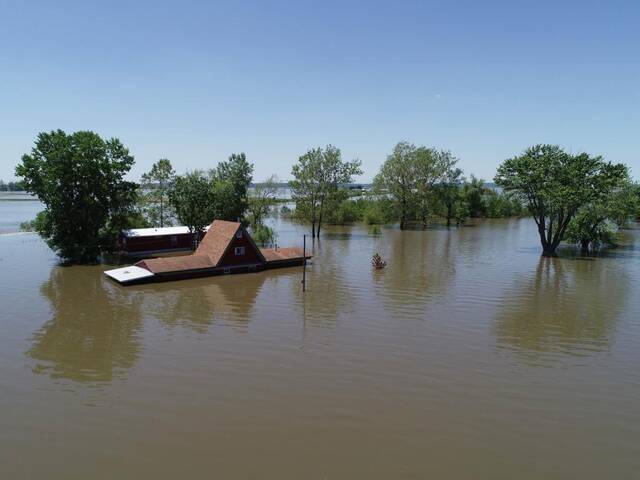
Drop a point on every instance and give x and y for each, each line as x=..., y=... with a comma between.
x=212, y=248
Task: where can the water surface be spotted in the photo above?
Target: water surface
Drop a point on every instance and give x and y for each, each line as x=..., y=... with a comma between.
x=470, y=356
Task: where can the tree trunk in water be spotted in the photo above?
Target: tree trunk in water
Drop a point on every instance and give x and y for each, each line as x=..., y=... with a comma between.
x=584, y=245
x=320, y=219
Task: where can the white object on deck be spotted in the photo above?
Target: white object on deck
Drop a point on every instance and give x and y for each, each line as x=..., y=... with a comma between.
x=128, y=274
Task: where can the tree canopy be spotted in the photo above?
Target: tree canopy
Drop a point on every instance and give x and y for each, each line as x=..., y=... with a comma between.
x=598, y=222
x=79, y=178
x=156, y=185
x=318, y=176
x=200, y=198
x=412, y=175
x=554, y=185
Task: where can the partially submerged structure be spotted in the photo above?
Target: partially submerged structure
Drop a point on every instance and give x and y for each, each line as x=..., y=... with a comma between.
x=145, y=242
x=226, y=248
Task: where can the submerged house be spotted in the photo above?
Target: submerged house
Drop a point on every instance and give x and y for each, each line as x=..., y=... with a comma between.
x=144, y=242
x=226, y=248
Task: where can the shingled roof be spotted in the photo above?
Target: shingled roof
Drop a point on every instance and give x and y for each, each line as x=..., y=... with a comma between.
x=207, y=255
x=282, y=254
x=217, y=239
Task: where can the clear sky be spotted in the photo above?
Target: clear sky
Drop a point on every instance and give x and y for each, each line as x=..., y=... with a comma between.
x=197, y=80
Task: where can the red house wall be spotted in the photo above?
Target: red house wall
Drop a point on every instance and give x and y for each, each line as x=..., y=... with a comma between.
x=251, y=256
x=156, y=242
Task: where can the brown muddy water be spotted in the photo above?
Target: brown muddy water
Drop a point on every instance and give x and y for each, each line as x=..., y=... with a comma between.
x=468, y=357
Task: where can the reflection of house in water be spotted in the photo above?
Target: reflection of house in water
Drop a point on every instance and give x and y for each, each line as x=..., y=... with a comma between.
x=568, y=306
x=199, y=303
x=93, y=333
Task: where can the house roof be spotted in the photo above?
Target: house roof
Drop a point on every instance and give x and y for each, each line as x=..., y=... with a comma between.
x=208, y=254
x=176, y=264
x=217, y=239
x=287, y=253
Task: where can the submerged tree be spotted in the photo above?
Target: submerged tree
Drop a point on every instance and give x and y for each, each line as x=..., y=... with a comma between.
x=555, y=185
x=598, y=222
x=398, y=178
x=449, y=191
x=474, y=191
x=80, y=180
x=156, y=185
x=318, y=176
x=261, y=200
x=417, y=179
x=430, y=169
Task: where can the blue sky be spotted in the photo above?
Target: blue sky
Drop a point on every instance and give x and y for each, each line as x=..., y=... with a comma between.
x=195, y=81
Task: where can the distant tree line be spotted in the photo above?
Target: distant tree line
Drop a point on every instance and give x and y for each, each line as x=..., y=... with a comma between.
x=416, y=186
x=11, y=186
x=80, y=179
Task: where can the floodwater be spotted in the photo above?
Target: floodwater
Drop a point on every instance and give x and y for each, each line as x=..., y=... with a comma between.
x=468, y=357
x=15, y=208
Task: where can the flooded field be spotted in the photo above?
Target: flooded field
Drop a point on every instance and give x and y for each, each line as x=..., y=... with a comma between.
x=469, y=356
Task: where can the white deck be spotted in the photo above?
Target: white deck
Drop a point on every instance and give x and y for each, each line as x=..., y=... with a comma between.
x=128, y=274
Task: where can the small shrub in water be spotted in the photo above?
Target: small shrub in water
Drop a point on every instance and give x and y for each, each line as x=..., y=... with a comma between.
x=377, y=261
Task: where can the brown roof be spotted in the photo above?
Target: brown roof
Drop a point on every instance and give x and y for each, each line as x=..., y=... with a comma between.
x=207, y=255
x=288, y=253
x=217, y=239
x=176, y=264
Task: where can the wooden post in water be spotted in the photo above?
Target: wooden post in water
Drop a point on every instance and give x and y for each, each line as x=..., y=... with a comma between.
x=304, y=262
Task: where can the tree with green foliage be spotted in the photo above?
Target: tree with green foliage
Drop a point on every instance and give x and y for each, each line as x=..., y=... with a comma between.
x=156, y=185
x=449, y=190
x=555, y=185
x=411, y=176
x=598, y=222
x=306, y=186
x=318, y=176
x=474, y=191
x=502, y=205
x=261, y=200
x=80, y=180
x=431, y=168
x=200, y=198
x=398, y=179
x=231, y=181
x=191, y=199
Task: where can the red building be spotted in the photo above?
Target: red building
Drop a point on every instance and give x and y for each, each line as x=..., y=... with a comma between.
x=226, y=248
x=145, y=242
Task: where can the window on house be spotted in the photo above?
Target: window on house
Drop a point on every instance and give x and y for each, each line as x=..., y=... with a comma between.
x=174, y=240
x=239, y=233
x=239, y=251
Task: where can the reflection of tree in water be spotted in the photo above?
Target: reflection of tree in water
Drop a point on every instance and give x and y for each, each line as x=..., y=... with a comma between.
x=93, y=334
x=569, y=306
x=421, y=266
x=198, y=303
x=329, y=292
